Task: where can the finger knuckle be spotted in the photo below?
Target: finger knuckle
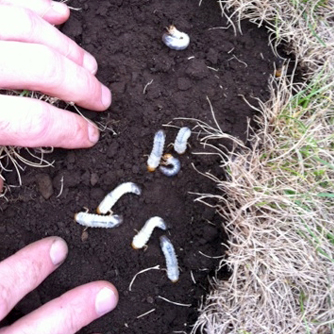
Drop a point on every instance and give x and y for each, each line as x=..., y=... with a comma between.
x=26, y=277
x=73, y=51
x=28, y=22
x=37, y=120
x=78, y=128
x=5, y=125
x=4, y=300
x=29, y=272
x=71, y=316
x=49, y=65
x=27, y=18
x=71, y=323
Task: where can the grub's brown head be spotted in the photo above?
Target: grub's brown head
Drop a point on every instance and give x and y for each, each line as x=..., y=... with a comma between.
x=150, y=169
x=171, y=29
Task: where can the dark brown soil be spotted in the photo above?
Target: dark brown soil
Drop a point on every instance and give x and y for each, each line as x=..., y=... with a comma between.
x=125, y=37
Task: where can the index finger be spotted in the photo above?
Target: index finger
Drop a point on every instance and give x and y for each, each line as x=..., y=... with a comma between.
x=30, y=28
x=38, y=68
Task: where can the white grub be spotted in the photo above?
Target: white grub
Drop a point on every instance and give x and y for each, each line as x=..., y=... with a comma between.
x=175, y=39
x=171, y=260
x=181, y=140
x=174, y=165
x=109, y=201
x=92, y=220
x=154, y=158
x=140, y=240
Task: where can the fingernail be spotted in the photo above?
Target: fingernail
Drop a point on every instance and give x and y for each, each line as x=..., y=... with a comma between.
x=93, y=133
x=105, y=301
x=60, y=8
x=58, y=251
x=106, y=96
x=89, y=63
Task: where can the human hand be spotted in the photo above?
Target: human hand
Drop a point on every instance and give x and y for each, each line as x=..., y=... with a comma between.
x=34, y=55
x=25, y=270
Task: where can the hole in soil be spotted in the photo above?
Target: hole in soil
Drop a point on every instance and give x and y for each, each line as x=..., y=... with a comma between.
x=151, y=86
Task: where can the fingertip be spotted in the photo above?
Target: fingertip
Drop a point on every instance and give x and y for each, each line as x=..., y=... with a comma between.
x=54, y=13
x=93, y=133
x=106, y=96
x=106, y=299
x=61, y=9
x=58, y=251
x=89, y=63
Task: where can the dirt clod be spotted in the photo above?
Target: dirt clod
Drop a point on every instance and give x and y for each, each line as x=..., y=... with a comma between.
x=44, y=183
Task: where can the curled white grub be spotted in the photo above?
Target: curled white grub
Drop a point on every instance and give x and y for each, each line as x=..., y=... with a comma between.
x=174, y=165
x=109, y=201
x=175, y=39
x=171, y=260
x=93, y=220
x=140, y=240
x=154, y=158
x=181, y=140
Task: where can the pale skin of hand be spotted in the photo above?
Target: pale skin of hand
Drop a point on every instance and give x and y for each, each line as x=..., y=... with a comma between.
x=35, y=56
x=67, y=314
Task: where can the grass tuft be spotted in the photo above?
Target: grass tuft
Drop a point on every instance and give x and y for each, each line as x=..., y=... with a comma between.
x=277, y=196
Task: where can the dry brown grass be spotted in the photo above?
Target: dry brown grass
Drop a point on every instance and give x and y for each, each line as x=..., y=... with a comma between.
x=278, y=197
x=304, y=26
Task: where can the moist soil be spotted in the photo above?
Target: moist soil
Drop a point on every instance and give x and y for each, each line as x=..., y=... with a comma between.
x=152, y=85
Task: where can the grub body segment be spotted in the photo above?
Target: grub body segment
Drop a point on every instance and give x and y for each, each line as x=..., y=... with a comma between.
x=111, y=198
x=181, y=140
x=140, y=240
x=168, y=250
x=154, y=158
x=93, y=220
